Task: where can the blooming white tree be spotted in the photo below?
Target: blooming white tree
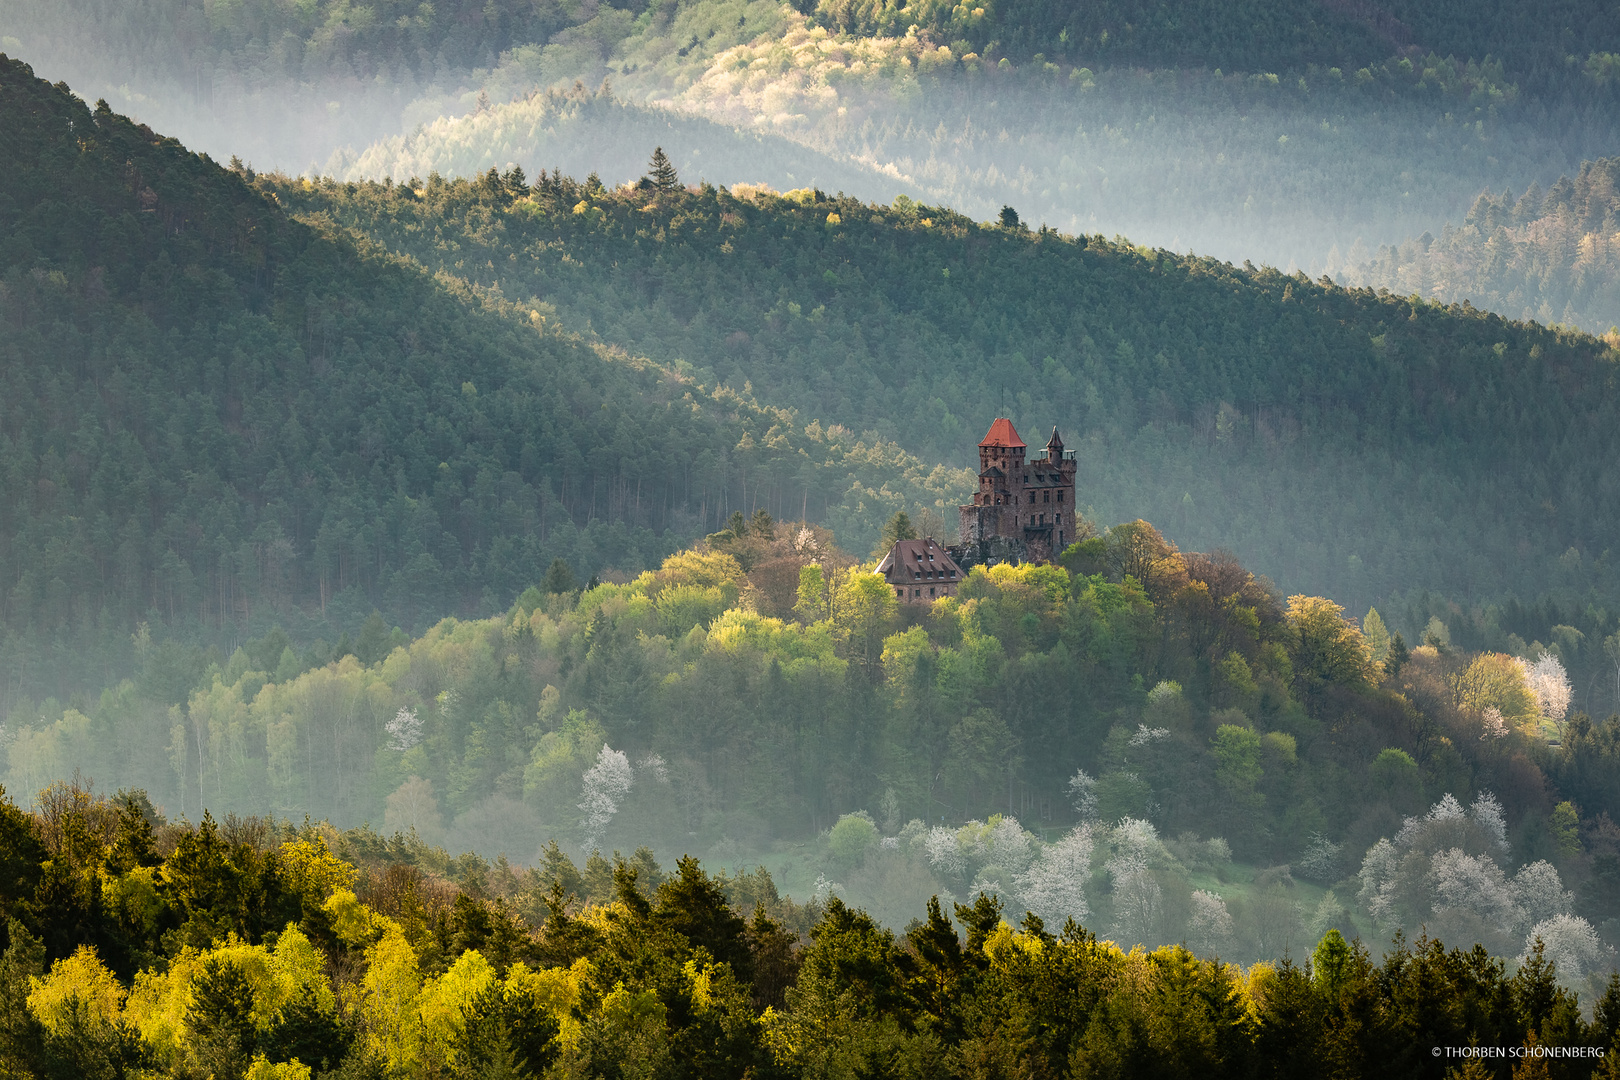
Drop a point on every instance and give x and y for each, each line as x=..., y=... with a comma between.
x=1083, y=795
x=1572, y=945
x=1486, y=813
x=1378, y=870
x=1320, y=859
x=944, y=855
x=603, y=786
x=1472, y=884
x=1445, y=870
x=1539, y=893
x=991, y=855
x=1209, y=930
x=1146, y=736
x=404, y=730
x=1550, y=683
x=653, y=768
x=1054, y=885
x=824, y=889
x=1138, y=898
x=1493, y=725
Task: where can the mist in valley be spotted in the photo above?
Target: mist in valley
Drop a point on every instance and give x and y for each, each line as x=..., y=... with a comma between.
x=1161, y=736
x=1315, y=170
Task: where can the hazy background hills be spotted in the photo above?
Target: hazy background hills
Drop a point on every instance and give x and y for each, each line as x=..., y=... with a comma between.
x=1292, y=134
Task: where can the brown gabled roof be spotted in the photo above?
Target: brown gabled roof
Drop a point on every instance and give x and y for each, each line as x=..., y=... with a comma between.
x=1001, y=433
x=901, y=563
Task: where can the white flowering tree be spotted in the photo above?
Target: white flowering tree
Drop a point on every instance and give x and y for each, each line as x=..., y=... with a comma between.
x=1550, y=683
x=1054, y=886
x=1574, y=948
x=1083, y=795
x=1446, y=871
x=1138, y=900
x=1209, y=928
x=603, y=788
x=404, y=730
x=988, y=854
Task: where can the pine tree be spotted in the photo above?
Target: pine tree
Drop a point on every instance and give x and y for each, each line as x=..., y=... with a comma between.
x=662, y=173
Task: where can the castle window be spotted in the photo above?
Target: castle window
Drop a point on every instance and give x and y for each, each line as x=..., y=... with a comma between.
x=1060, y=496
x=1046, y=496
x=1032, y=496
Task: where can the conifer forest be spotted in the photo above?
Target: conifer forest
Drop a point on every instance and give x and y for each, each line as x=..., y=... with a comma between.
x=470, y=473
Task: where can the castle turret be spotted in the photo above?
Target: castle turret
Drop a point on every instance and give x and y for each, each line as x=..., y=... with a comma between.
x=1023, y=510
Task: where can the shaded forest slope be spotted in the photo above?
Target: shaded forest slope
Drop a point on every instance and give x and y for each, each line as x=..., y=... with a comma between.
x=1354, y=443
x=212, y=414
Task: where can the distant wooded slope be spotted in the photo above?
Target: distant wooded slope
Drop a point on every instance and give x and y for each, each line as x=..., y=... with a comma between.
x=215, y=416
x=1552, y=256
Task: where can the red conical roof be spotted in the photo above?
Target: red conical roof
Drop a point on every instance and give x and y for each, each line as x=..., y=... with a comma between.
x=1001, y=433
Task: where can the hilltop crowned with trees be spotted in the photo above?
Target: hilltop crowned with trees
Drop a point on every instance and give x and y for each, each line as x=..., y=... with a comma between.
x=1351, y=441
x=1154, y=740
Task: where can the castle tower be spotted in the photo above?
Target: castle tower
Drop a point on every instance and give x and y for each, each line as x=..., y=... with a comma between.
x=1023, y=510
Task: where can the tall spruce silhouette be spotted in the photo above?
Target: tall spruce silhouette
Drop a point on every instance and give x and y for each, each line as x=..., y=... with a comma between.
x=662, y=172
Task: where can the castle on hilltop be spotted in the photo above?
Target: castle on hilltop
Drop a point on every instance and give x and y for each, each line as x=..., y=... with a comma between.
x=1023, y=510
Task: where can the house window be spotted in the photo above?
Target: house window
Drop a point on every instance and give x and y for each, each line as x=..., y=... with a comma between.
x=916, y=592
x=1060, y=496
x=930, y=590
x=1046, y=496
x=1032, y=496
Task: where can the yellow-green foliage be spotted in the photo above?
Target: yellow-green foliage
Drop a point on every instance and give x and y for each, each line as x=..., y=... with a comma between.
x=314, y=872
x=79, y=984
x=263, y=1068
x=1496, y=680
x=133, y=897
x=391, y=985
x=1329, y=646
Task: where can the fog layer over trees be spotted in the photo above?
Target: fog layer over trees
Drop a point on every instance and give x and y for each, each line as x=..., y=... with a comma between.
x=1310, y=131
x=1148, y=742
x=1552, y=255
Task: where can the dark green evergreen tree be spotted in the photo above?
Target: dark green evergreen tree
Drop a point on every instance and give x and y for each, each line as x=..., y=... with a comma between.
x=559, y=578
x=221, y=1019
x=661, y=173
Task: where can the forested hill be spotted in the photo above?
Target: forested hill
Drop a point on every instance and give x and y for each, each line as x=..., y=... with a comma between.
x=1550, y=255
x=1353, y=443
x=1251, y=35
x=214, y=415
x=245, y=44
